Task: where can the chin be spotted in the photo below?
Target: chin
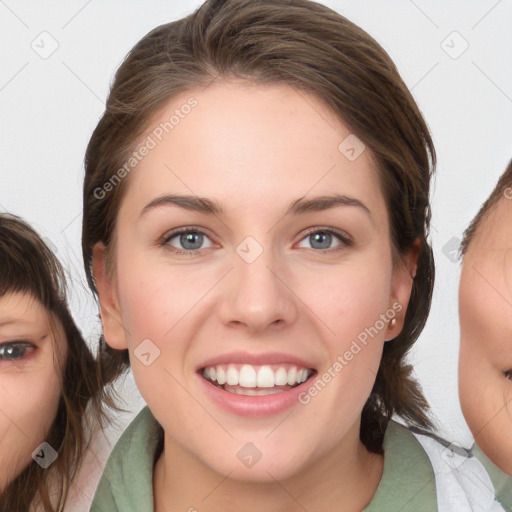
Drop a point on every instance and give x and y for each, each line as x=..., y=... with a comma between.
x=257, y=462
x=261, y=472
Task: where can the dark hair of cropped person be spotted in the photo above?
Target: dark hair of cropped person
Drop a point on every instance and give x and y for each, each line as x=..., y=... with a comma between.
x=28, y=266
x=316, y=51
x=502, y=189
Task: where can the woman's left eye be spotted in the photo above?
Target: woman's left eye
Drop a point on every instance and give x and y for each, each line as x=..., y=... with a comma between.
x=14, y=350
x=322, y=238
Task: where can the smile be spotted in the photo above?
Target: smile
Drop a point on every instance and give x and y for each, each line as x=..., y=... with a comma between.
x=256, y=380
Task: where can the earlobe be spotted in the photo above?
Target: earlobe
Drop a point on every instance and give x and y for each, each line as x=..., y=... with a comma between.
x=110, y=312
x=404, y=273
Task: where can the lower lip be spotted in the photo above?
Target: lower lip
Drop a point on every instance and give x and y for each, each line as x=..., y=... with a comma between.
x=254, y=406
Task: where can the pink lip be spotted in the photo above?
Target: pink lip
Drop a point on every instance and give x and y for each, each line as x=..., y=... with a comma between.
x=254, y=406
x=255, y=359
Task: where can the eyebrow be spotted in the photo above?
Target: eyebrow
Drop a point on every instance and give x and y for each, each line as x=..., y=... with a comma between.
x=297, y=207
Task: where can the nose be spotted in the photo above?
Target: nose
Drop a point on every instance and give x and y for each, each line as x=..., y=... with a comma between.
x=257, y=295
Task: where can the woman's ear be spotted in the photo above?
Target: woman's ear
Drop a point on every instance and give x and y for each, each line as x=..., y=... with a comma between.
x=110, y=312
x=404, y=272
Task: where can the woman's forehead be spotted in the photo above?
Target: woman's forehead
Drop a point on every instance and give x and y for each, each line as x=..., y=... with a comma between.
x=276, y=155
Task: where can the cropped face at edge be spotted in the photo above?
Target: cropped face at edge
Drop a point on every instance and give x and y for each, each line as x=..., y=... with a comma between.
x=267, y=292
x=29, y=384
x=485, y=310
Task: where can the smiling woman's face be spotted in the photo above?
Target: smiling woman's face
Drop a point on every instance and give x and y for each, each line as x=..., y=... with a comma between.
x=485, y=310
x=29, y=385
x=269, y=284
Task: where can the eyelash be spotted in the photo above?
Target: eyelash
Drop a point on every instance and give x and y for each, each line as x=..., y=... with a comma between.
x=16, y=345
x=345, y=240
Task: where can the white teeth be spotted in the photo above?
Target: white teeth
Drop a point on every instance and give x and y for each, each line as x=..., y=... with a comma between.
x=292, y=376
x=248, y=376
x=266, y=377
x=221, y=375
x=232, y=376
x=281, y=377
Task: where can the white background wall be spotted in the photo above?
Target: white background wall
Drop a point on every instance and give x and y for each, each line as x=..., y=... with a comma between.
x=49, y=107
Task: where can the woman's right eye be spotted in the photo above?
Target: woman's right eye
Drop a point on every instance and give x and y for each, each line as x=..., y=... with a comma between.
x=191, y=240
x=14, y=350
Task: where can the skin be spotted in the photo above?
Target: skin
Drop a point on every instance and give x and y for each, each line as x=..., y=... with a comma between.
x=255, y=149
x=485, y=311
x=29, y=385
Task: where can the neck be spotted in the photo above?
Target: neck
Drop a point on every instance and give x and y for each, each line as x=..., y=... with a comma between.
x=343, y=480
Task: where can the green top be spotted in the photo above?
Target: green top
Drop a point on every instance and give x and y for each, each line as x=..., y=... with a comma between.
x=407, y=483
x=501, y=481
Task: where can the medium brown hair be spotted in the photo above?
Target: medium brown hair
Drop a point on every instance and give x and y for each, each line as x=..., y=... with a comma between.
x=313, y=49
x=28, y=266
x=503, y=189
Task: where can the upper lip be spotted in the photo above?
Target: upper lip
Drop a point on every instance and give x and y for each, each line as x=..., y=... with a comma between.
x=255, y=359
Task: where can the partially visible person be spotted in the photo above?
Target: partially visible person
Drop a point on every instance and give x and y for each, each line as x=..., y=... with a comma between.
x=51, y=389
x=485, y=312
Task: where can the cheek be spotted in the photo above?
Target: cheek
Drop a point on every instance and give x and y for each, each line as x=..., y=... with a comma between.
x=351, y=303
x=36, y=412
x=154, y=298
x=508, y=272
x=485, y=325
x=485, y=352
x=348, y=299
x=159, y=311
x=29, y=404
